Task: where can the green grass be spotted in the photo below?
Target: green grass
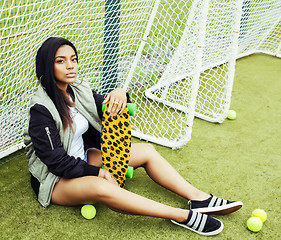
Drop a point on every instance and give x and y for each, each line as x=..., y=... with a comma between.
x=238, y=159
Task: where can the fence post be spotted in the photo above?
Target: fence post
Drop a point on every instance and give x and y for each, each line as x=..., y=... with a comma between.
x=111, y=45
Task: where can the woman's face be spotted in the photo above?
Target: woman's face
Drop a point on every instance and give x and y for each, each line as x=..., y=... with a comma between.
x=65, y=66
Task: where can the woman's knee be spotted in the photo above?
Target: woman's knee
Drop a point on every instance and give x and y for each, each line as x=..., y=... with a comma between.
x=150, y=147
x=146, y=149
x=103, y=191
x=149, y=152
x=141, y=154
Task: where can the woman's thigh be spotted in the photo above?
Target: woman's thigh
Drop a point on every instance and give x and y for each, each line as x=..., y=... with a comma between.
x=89, y=189
x=77, y=191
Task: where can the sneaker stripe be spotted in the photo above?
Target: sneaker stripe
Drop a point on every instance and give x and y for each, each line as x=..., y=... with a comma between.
x=192, y=219
x=197, y=222
x=224, y=202
x=219, y=202
x=202, y=224
x=212, y=202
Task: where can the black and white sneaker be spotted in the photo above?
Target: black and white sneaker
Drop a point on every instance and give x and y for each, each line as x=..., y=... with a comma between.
x=201, y=224
x=215, y=205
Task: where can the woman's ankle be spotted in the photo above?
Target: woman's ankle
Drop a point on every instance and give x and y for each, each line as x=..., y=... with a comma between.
x=183, y=216
x=201, y=196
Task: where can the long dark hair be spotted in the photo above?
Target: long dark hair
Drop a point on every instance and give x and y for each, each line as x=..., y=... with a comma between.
x=45, y=59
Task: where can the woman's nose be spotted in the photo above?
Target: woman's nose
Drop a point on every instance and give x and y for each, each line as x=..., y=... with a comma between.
x=69, y=65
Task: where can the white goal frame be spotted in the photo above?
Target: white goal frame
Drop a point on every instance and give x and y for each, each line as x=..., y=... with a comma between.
x=175, y=58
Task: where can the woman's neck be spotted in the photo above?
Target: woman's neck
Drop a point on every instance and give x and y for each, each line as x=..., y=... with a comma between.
x=62, y=86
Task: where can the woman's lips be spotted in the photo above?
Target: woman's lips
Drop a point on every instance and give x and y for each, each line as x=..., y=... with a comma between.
x=71, y=75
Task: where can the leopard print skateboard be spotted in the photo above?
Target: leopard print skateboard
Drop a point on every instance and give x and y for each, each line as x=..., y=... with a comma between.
x=116, y=143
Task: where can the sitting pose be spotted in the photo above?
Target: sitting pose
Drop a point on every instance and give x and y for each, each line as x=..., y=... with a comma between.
x=63, y=149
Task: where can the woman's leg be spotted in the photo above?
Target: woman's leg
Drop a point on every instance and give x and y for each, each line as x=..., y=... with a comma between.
x=145, y=155
x=89, y=189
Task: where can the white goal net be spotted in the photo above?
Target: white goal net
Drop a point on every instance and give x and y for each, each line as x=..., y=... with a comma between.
x=260, y=30
x=176, y=58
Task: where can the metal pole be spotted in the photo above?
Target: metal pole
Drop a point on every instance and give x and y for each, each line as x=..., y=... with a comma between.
x=111, y=45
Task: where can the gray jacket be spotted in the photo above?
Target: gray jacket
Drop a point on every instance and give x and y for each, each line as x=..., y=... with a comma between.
x=85, y=104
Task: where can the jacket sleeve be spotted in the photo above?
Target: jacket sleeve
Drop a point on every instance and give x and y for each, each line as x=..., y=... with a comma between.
x=48, y=147
x=98, y=100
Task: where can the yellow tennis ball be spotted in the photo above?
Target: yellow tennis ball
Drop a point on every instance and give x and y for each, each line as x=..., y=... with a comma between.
x=261, y=214
x=254, y=224
x=88, y=211
x=231, y=115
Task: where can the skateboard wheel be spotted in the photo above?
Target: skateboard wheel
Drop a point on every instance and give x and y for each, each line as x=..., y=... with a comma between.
x=132, y=108
x=103, y=107
x=130, y=172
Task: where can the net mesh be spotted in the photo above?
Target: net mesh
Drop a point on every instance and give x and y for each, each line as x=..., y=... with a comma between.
x=160, y=51
x=260, y=29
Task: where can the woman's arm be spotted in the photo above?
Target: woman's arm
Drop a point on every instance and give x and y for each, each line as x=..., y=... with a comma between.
x=48, y=147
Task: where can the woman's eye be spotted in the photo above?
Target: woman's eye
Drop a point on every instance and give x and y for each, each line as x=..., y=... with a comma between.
x=59, y=61
x=74, y=59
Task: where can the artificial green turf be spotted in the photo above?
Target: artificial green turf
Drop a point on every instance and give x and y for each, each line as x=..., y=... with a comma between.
x=238, y=159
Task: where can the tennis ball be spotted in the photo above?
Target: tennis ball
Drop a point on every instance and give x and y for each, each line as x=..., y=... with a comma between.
x=88, y=211
x=261, y=214
x=231, y=115
x=254, y=224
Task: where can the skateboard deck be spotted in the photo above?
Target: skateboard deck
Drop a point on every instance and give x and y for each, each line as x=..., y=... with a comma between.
x=116, y=144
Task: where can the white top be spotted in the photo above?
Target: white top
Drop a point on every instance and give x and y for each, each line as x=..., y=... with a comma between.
x=82, y=125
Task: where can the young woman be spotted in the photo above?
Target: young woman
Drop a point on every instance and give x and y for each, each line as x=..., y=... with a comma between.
x=64, y=157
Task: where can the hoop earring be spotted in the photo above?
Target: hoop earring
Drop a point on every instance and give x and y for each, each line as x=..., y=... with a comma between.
x=40, y=81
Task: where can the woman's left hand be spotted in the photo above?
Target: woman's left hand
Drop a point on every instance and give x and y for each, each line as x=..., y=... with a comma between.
x=117, y=101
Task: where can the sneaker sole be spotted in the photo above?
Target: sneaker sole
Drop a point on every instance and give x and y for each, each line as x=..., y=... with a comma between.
x=220, y=210
x=201, y=233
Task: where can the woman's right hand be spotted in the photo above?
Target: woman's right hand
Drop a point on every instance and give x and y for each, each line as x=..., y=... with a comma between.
x=107, y=176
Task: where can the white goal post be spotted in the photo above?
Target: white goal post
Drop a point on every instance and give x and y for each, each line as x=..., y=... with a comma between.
x=176, y=58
